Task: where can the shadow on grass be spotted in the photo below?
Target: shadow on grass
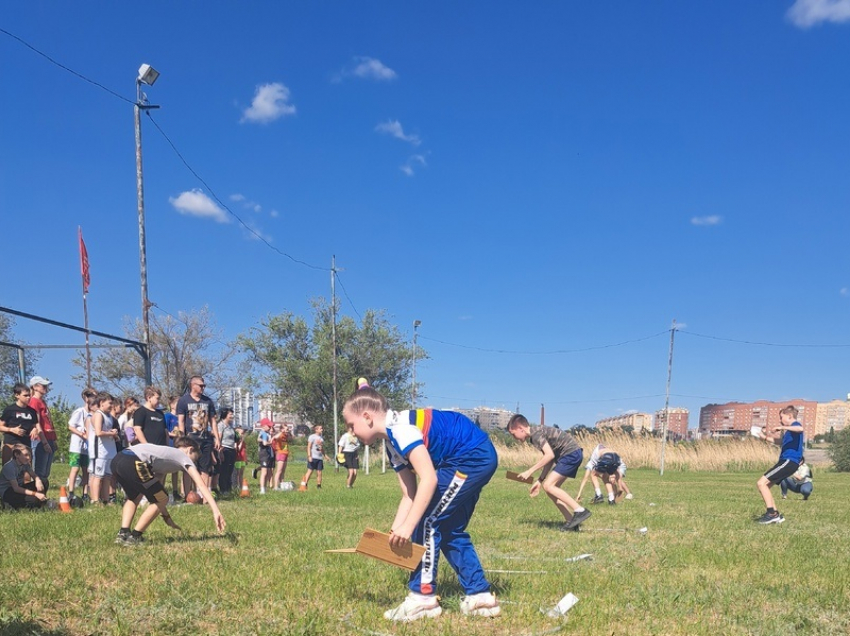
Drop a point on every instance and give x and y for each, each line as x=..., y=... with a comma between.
x=18, y=627
x=230, y=537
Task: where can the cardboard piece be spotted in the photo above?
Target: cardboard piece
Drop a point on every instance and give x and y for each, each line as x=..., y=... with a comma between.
x=515, y=477
x=376, y=545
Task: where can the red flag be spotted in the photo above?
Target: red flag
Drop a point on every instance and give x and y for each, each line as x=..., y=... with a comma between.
x=84, y=263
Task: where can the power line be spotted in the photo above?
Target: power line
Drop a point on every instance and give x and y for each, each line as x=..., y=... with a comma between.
x=224, y=205
x=764, y=344
x=336, y=273
x=550, y=352
x=65, y=68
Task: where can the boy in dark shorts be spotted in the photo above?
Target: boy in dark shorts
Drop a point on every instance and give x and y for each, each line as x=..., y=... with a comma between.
x=562, y=457
x=789, y=460
x=140, y=470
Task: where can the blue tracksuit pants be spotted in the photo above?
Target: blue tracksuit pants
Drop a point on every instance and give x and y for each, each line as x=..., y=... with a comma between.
x=443, y=526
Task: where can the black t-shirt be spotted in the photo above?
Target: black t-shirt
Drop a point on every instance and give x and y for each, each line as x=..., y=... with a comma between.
x=23, y=416
x=187, y=406
x=152, y=424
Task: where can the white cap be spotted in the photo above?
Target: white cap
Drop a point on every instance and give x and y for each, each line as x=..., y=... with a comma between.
x=37, y=379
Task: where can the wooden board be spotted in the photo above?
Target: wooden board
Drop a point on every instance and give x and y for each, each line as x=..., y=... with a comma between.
x=376, y=545
x=515, y=477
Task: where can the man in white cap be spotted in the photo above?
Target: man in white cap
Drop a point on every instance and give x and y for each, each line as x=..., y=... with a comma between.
x=44, y=446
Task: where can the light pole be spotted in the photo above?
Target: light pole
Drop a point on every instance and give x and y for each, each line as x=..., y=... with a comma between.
x=147, y=75
x=416, y=324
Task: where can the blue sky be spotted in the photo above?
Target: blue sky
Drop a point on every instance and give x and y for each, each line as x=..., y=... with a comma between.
x=535, y=183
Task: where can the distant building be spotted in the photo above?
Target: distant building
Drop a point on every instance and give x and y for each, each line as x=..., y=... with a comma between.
x=677, y=426
x=638, y=422
x=268, y=407
x=487, y=418
x=834, y=415
x=736, y=418
x=242, y=402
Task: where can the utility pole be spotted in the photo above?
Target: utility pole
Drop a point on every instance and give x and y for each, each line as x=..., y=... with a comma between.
x=416, y=324
x=667, y=398
x=333, y=344
x=147, y=75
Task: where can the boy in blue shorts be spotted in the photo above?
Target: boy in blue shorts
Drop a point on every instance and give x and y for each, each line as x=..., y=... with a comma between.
x=789, y=460
x=454, y=460
x=562, y=457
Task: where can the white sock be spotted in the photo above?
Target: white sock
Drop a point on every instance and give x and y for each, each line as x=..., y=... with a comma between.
x=598, y=492
x=579, y=509
x=611, y=497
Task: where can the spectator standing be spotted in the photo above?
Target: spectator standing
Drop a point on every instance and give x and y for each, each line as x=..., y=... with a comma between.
x=348, y=446
x=18, y=421
x=265, y=453
x=45, y=445
x=190, y=403
x=280, y=446
x=78, y=448
x=149, y=422
x=227, y=435
x=103, y=435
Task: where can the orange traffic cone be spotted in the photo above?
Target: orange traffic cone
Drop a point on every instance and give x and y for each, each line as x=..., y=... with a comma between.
x=302, y=487
x=246, y=492
x=64, y=506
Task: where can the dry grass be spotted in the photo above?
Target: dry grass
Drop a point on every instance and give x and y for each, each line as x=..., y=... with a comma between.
x=645, y=452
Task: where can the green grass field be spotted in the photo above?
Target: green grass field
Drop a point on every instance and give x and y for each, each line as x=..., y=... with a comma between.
x=703, y=566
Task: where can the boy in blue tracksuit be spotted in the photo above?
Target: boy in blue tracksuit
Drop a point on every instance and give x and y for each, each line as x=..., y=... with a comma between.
x=789, y=461
x=454, y=460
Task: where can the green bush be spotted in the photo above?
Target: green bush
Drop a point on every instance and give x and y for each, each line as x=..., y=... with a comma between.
x=839, y=452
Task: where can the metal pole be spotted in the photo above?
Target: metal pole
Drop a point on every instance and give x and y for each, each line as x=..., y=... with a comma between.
x=667, y=398
x=416, y=324
x=143, y=257
x=333, y=341
x=22, y=368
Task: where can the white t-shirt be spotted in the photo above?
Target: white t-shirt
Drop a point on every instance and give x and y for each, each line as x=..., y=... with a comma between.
x=78, y=421
x=102, y=447
x=349, y=443
x=317, y=446
x=162, y=459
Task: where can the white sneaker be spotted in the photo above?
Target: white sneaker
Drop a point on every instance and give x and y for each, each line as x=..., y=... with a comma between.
x=482, y=604
x=414, y=607
x=630, y=496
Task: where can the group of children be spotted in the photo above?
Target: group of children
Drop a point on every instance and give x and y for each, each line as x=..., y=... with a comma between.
x=441, y=458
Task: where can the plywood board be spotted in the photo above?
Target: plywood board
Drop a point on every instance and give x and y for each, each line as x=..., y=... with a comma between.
x=376, y=545
x=515, y=477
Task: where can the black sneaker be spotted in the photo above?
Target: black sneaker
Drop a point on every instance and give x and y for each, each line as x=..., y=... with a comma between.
x=132, y=539
x=565, y=528
x=255, y=471
x=598, y=499
x=612, y=502
x=122, y=537
x=771, y=517
x=578, y=519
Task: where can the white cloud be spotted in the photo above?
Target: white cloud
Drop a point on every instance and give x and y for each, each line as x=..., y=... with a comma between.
x=274, y=214
x=271, y=101
x=844, y=291
x=407, y=168
x=807, y=13
x=369, y=68
x=196, y=203
x=394, y=128
x=246, y=203
x=707, y=220
x=465, y=317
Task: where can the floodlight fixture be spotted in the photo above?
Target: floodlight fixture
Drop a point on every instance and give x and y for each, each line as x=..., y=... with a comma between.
x=148, y=74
